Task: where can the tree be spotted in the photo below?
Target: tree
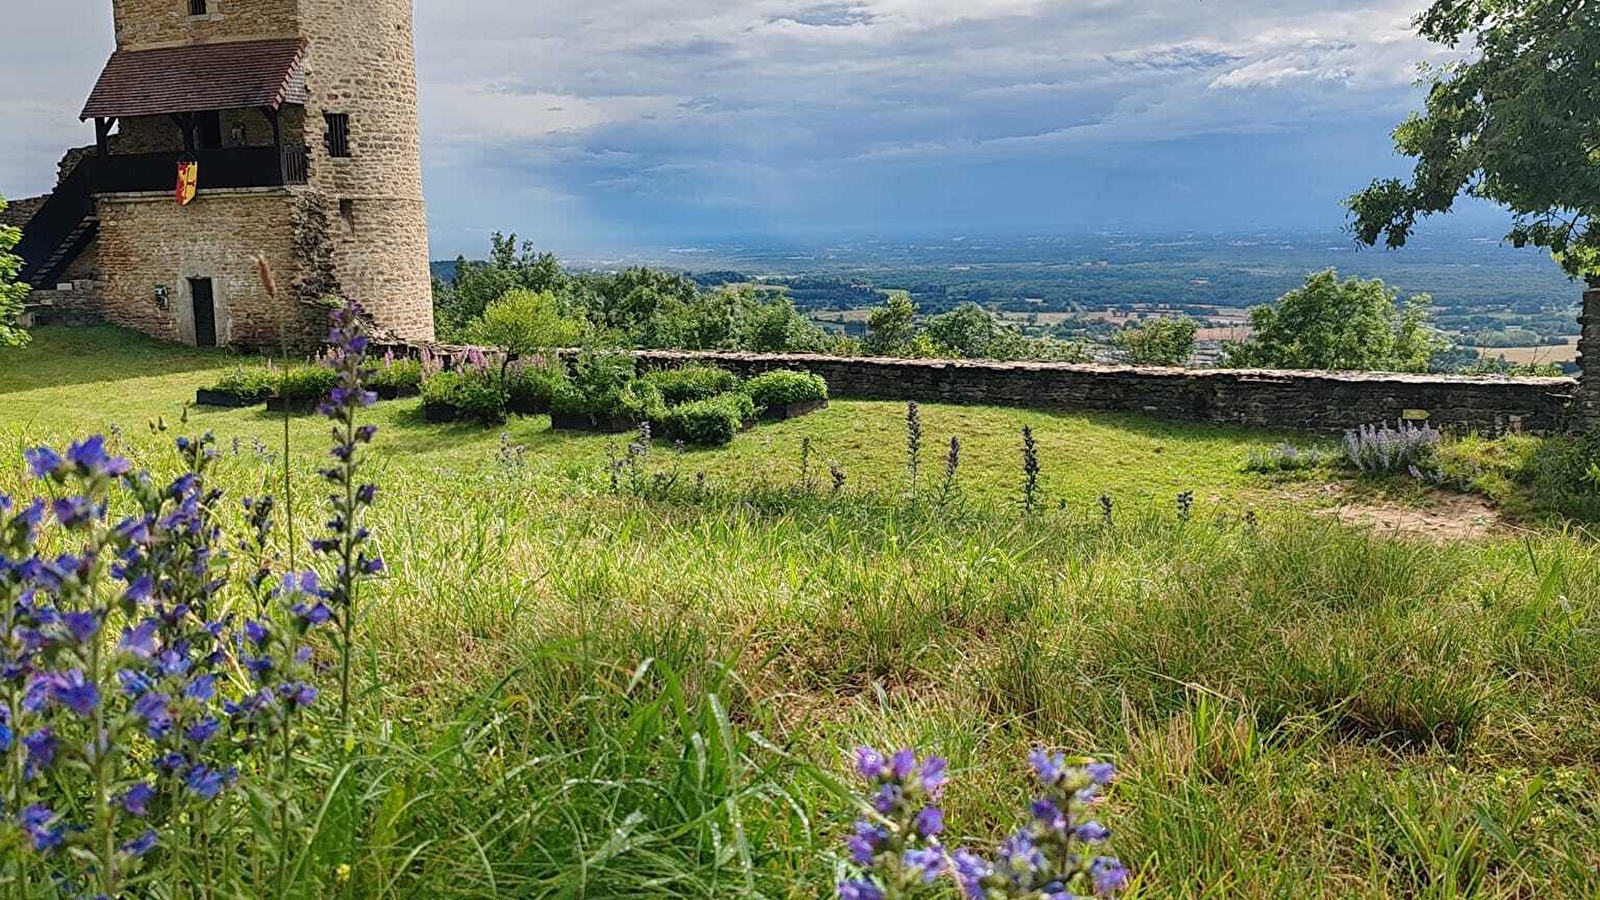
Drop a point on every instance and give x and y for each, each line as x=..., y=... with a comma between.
x=1159, y=342
x=1351, y=325
x=891, y=327
x=478, y=284
x=972, y=332
x=11, y=293
x=1517, y=124
x=524, y=321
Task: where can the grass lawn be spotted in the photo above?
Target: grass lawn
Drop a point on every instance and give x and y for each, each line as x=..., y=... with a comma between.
x=570, y=692
x=72, y=382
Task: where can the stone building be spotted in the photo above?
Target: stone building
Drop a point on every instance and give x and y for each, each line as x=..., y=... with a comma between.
x=300, y=120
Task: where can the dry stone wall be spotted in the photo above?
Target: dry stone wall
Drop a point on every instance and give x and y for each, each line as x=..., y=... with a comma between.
x=1586, y=406
x=1258, y=398
x=1318, y=401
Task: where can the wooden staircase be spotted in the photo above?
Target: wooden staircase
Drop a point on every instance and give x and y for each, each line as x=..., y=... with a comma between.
x=61, y=229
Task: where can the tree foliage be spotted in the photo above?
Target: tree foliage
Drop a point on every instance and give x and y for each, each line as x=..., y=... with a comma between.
x=11, y=293
x=523, y=321
x=523, y=298
x=1518, y=123
x=1349, y=325
x=1158, y=342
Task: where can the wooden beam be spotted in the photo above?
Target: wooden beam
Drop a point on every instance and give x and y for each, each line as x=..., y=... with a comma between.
x=102, y=134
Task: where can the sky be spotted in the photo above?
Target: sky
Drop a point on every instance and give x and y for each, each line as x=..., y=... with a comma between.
x=608, y=124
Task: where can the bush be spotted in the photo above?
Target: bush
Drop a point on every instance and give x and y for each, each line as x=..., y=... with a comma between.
x=253, y=383
x=710, y=423
x=477, y=393
x=606, y=386
x=784, y=387
x=396, y=376
x=530, y=384
x=1382, y=450
x=307, y=384
x=1562, y=475
x=691, y=383
x=1158, y=342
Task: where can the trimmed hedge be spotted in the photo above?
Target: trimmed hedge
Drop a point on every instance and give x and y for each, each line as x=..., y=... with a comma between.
x=692, y=382
x=711, y=422
x=783, y=387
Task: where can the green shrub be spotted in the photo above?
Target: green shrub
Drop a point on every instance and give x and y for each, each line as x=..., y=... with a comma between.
x=531, y=384
x=477, y=393
x=396, y=376
x=605, y=386
x=785, y=386
x=710, y=423
x=1562, y=475
x=254, y=383
x=691, y=383
x=308, y=384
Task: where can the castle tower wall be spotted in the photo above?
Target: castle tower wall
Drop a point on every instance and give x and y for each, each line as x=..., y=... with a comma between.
x=360, y=63
x=147, y=24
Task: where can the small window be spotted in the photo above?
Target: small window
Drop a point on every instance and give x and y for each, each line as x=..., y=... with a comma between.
x=198, y=7
x=347, y=216
x=338, y=133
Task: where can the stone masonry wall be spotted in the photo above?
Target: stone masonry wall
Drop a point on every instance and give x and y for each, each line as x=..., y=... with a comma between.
x=1586, y=406
x=360, y=62
x=1318, y=401
x=144, y=24
x=146, y=241
x=1256, y=398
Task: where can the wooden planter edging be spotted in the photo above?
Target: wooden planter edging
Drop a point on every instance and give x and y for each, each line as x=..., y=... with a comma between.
x=536, y=407
x=611, y=425
x=397, y=393
x=792, y=410
x=440, y=412
x=297, y=405
x=225, y=399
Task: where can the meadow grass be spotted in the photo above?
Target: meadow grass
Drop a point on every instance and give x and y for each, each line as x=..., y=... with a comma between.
x=571, y=692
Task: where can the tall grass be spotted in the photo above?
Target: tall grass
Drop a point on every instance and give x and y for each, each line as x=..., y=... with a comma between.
x=568, y=692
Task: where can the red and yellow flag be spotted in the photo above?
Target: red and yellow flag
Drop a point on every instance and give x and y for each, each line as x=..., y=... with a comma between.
x=188, y=180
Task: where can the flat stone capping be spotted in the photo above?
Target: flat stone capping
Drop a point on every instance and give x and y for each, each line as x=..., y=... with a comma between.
x=1264, y=398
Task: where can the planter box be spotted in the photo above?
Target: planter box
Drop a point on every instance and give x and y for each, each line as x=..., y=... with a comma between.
x=226, y=399
x=394, y=393
x=297, y=406
x=615, y=425
x=528, y=407
x=440, y=412
x=792, y=410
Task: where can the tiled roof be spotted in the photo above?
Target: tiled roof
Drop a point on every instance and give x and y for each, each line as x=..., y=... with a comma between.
x=18, y=212
x=199, y=78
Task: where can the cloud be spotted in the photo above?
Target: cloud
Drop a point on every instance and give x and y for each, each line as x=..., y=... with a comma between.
x=620, y=118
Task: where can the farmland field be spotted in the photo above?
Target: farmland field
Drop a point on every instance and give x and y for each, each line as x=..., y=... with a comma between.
x=579, y=690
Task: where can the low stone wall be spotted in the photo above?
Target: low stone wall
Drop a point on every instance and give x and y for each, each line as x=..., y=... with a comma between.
x=1313, y=401
x=1317, y=401
x=72, y=303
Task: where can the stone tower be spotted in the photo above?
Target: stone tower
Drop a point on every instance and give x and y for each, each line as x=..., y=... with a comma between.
x=299, y=118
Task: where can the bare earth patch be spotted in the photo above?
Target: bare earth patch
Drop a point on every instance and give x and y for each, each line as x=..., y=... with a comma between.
x=1442, y=517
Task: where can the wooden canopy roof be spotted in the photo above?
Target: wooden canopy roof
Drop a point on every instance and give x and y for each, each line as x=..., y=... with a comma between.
x=199, y=78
